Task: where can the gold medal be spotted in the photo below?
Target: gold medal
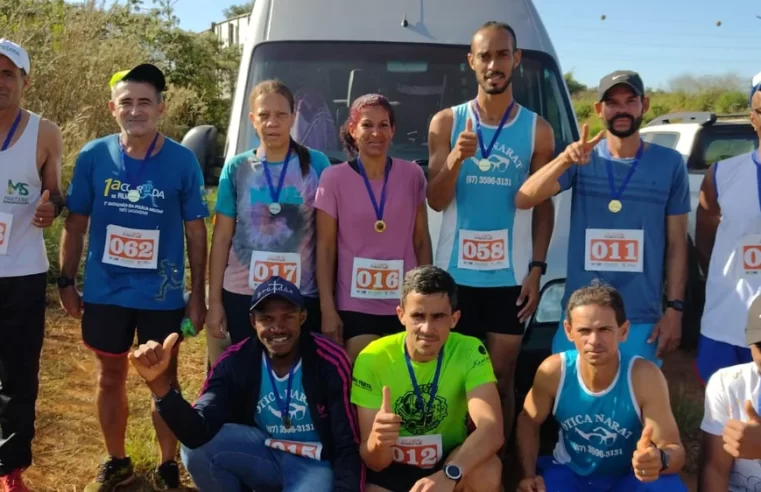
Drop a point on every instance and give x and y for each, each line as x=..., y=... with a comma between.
x=380, y=226
x=484, y=165
x=615, y=206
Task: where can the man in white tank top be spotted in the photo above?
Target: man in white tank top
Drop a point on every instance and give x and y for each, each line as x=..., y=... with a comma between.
x=728, y=240
x=30, y=199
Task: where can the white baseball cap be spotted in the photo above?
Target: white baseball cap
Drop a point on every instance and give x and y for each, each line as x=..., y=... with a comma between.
x=15, y=53
x=755, y=84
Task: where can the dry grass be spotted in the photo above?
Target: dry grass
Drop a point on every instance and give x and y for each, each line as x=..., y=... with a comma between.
x=69, y=446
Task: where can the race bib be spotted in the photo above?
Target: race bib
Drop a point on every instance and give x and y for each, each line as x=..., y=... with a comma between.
x=420, y=451
x=131, y=248
x=265, y=264
x=377, y=279
x=305, y=449
x=749, y=255
x=6, y=220
x=483, y=250
x=614, y=250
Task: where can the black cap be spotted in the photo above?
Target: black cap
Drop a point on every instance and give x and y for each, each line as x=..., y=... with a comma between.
x=276, y=287
x=145, y=72
x=625, y=77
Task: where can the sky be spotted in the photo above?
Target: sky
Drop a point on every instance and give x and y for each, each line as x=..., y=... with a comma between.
x=661, y=39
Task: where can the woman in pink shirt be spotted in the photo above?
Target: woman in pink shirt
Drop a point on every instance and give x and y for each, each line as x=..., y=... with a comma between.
x=372, y=227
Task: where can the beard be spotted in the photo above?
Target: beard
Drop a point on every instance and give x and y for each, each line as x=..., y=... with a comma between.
x=635, y=123
x=496, y=90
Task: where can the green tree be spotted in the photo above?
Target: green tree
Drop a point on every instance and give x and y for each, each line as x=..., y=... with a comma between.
x=236, y=10
x=574, y=86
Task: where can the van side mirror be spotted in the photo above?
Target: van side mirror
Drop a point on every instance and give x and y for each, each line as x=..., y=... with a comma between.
x=202, y=140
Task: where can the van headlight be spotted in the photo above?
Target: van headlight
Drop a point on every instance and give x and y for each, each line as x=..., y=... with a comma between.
x=549, y=310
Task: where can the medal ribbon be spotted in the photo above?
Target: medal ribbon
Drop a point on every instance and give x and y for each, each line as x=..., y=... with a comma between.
x=284, y=407
x=142, y=164
x=275, y=193
x=434, y=384
x=486, y=152
x=616, y=194
x=378, y=208
x=12, y=131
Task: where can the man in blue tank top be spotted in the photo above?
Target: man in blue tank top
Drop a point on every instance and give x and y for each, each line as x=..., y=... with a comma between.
x=628, y=215
x=480, y=153
x=617, y=431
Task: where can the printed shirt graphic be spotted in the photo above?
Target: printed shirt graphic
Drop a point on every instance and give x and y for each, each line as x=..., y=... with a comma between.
x=269, y=416
x=171, y=191
x=466, y=365
x=244, y=194
x=598, y=431
x=726, y=393
x=485, y=200
x=658, y=188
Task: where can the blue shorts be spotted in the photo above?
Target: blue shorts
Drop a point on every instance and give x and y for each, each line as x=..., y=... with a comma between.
x=560, y=478
x=636, y=342
x=714, y=355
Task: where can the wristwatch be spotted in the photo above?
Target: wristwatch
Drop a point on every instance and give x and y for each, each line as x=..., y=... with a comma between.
x=664, y=459
x=675, y=305
x=453, y=472
x=539, y=264
x=64, y=282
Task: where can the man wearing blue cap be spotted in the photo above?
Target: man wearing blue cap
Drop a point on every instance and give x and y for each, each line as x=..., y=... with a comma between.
x=139, y=196
x=274, y=412
x=728, y=239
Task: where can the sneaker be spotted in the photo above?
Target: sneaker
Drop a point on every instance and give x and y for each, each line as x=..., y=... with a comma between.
x=167, y=476
x=114, y=472
x=13, y=482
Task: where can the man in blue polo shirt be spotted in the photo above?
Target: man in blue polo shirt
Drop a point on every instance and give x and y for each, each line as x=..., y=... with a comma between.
x=629, y=214
x=142, y=195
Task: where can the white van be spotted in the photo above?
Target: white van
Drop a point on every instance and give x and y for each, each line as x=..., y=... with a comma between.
x=329, y=52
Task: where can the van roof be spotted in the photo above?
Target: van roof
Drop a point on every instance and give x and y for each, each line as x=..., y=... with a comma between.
x=428, y=21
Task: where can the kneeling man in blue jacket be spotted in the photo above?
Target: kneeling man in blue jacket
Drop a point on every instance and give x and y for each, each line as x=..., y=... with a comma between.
x=275, y=411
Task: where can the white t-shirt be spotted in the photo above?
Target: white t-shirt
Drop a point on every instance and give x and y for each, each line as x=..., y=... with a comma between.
x=726, y=393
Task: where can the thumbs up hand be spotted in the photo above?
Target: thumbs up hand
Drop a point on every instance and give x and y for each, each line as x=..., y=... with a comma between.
x=467, y=143
x=647, y=457
x=743, y=439
x=44, y=212
x=386, y=426
x=151, y=360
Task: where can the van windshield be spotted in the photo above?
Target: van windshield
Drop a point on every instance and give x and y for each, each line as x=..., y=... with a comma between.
x=418, y=79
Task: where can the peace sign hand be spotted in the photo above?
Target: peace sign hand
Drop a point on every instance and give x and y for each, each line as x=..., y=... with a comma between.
x=579, y=152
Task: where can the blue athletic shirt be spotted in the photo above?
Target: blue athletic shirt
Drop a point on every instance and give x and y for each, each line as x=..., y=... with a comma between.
x=483, y=207
x=171, y=191
x=658, y=188
x=269, y=414
x=598, y=431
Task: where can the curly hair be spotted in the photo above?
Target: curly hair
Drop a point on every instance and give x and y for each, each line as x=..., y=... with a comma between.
x=276, y=87
x=350, y=145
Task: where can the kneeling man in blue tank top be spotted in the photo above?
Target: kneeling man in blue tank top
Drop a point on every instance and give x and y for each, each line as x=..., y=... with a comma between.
x=617, y=432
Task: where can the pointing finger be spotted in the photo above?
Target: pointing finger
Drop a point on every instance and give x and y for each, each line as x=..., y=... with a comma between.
x=584, y=133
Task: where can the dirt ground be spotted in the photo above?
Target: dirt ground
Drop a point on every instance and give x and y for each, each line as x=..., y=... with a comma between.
x=68, y=446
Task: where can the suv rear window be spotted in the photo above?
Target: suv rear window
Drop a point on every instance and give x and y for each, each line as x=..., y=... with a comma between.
x=665, y=139
x=721, y=141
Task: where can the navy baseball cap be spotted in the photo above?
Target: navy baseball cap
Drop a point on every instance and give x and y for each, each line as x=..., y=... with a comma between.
x=276, y=287
x=755, y=85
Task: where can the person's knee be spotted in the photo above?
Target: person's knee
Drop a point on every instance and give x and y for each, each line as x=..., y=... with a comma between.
x=485, y=478
x=112, y=372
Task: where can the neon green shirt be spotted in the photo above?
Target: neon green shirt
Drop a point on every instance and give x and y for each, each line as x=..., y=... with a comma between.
x=465, y=365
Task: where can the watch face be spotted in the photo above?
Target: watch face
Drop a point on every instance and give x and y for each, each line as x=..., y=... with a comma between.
x=453, y=472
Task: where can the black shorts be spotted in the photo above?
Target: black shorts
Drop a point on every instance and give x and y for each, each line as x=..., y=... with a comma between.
x=356, y=324
x=110, y=330
x=237, y=310
x=488, y=310
x=401, y=478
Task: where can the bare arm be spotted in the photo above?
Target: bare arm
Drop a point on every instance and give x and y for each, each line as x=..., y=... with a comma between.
x=421, y=238
x=715, y=465
x=708, y=216
x=327, y=239
x=485, y=409
x=542, y=184
x=195, y=233
x=72, y=244
x=50, y=174
x=536, y=408
x=652, y=395
x=443, y=163
x=676, y=256
x=544, y=213
x=221, y=240
x=375, y=456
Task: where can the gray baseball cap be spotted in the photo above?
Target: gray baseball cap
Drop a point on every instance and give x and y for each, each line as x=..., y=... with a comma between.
x=621, y=77
x=753, y=328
